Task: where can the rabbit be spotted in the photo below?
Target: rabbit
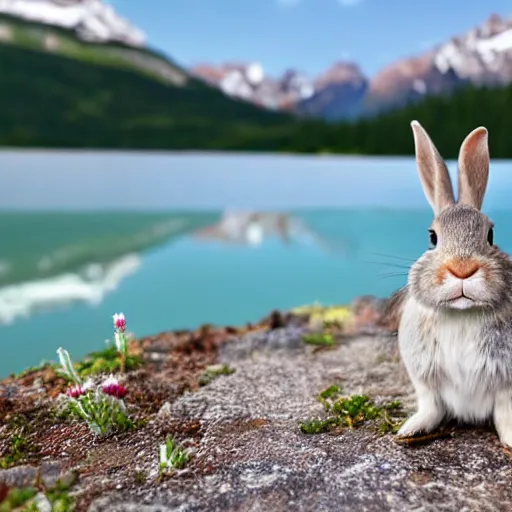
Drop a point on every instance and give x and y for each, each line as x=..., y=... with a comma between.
x=455, y=327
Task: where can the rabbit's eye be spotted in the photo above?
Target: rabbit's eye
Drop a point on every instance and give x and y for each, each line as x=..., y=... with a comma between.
x=433, y=238
x=490, y=236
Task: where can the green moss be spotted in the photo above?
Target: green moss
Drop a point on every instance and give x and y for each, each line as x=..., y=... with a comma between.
x=106, y=361
x=20, y=446
x=320, y=339
x=212, y=372
x=355, y=410
x=352, y=411
x=317, y=426
x=328, y=394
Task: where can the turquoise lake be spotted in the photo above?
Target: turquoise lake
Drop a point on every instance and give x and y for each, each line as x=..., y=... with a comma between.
x=175, y=241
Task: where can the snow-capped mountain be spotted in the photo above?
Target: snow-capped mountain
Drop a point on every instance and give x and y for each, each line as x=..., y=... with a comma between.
x=50, y=25
x=481, y=56
x=330, y=95
x=407, y=81
x=250, y=82
x=92, y=20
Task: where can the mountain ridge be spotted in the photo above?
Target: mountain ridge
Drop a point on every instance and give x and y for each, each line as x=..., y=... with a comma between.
x=480, y=56
x=91, y=106
x=56, y=39
x=59, y=91
x=91, y=20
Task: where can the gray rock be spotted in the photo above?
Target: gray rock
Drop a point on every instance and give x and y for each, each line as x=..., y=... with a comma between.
x=260, y=460
x=47, y=473
x=20, y=476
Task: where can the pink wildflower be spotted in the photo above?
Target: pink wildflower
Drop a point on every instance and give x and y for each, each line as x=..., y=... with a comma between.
x=75, y=392
x=113, y=387
x=80, y=389
x=119, y=322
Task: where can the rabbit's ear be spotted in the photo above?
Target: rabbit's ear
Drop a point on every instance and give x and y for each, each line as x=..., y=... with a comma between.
x=474, y=168
x=433, y=171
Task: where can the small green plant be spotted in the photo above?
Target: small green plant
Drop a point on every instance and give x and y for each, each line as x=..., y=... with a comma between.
x=60, y=499
x=172, y=456
x=101, y=405
x=355, y=410
x=20, y=447
x=350, y=412
x=212, y=372
x=323, y=339
x=112, y=359
x=106, y=361
x=28, y=499
x=18, y=497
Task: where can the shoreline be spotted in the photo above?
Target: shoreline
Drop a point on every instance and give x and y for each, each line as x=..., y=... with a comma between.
x=248, y=405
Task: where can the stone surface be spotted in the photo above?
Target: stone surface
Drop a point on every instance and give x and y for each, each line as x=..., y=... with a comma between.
x=252, y=455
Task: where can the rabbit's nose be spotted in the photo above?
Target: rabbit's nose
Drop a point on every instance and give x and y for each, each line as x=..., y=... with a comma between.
x=462, y=268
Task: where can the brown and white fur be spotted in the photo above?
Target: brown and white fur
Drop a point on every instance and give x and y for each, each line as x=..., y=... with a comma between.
x=455, y=330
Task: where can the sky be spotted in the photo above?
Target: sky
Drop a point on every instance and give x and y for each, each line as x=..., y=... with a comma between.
x=306, y=35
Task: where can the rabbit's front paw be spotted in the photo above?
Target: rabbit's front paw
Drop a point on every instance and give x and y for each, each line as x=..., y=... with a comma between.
x=419, y=423
x=503, y=417
x=506, y=438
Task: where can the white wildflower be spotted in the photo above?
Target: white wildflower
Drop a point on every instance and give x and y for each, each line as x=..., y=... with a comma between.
x=67, y=365
x=110, y=381
x=88, y=384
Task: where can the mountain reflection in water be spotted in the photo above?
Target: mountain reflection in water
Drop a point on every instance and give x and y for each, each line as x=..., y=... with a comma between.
x=68, y=258
x=63, y=259
x=252, y=228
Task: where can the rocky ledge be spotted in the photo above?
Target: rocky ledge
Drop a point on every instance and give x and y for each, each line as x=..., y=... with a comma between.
x=238, y=401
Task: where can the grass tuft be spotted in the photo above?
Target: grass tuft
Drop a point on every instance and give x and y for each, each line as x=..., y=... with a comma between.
x=213, y=372
x=351, y=412
x=323, y=339
x=172, y=456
